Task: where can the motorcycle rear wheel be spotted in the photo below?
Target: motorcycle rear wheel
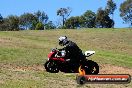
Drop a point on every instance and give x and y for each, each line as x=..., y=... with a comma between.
x=91, y=67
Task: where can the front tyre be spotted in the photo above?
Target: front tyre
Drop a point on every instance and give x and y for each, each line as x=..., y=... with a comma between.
x=51, y=66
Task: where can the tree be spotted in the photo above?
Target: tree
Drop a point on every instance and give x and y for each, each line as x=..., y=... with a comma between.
x=72, y=22
x=103, y=20
x=1, y=22
x=64, y=13
x=39, y=26
x=126, y=11
x=110, y=8
x=88, y=19
x=4, y=26
x=50, y=25
x=1, y=19
x=28, y=21
x=42, y=16
x=13, y=22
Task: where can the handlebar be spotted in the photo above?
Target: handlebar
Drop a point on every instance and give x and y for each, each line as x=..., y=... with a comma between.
x=60, y=52
x=55, y=49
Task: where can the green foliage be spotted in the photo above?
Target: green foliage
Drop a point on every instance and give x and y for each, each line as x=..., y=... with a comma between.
x=88, y=19
x=111, y=6
x=39, y=20
x=4, y=26
x=62, y=27
x=1, y=22
x=28, y=20
x=41, y=16
x=103, y=20
x=126, y=11
x=11, y=23
x=50, y=25
x=72, y=22
x=39, y=26
x=1, y=19
x=64, y=13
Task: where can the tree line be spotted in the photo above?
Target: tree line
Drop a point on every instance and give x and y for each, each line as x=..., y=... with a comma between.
x=40, y=21
x=33, y=21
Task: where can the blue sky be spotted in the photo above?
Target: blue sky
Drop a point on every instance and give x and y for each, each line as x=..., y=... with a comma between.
x=18, y=7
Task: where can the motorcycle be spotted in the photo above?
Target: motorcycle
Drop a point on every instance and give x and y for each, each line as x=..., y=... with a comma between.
x=56, y=62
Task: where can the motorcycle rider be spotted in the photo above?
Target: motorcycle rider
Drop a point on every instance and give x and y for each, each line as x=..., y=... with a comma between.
x=72, y=52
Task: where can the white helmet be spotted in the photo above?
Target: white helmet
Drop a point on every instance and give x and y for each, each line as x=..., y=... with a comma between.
x=63, y=40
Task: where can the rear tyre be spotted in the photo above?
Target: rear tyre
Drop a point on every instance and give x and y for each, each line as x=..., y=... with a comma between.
x=91, y=67
x=51, y=66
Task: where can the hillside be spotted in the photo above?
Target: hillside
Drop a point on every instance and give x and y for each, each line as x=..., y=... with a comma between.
x=23, y=53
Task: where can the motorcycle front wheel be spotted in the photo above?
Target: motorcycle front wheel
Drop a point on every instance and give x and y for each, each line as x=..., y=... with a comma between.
x=51, y=67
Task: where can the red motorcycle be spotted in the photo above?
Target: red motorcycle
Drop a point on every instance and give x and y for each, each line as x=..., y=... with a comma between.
x=56, y=63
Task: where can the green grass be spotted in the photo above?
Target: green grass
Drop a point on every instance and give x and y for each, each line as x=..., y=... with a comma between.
x=30, y=48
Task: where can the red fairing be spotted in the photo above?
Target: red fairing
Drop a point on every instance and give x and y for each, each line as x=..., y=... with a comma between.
x=50, y=54
x=60, y=59
x=55, y=58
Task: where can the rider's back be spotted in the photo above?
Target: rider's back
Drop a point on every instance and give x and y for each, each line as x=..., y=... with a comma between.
x=73, y=51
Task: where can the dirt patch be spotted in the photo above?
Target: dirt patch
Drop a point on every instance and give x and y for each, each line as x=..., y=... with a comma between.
x=66, y=83
x=2, y=82
x=5, y=40
x=104, y=68
x=29, y=68
x=22, y=68
x=111, y=69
